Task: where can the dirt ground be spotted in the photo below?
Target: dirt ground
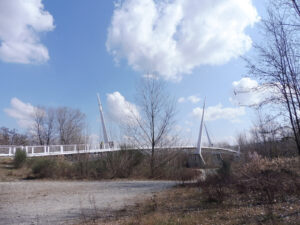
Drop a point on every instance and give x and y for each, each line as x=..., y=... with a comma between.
x=62, y=202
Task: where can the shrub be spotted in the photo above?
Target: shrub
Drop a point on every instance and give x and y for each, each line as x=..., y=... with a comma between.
x=121, y=164
x=268, y=180
x=19, y=158
x=215, y=184
x=177, y=168
x=44, y=168
x=225, y=170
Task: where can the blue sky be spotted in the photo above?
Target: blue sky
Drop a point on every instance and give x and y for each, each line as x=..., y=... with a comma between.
x=79, y=64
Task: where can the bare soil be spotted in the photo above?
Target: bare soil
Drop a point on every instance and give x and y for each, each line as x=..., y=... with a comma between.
x=63, y=202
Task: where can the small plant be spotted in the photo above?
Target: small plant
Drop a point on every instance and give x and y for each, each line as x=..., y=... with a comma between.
x=268, y=181
x=214, y=186
x=44, y=168
x=19, y=158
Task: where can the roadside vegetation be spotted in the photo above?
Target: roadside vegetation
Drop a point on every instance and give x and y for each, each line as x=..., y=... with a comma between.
x=262, y=191
x=262, y=186
x=131, y=164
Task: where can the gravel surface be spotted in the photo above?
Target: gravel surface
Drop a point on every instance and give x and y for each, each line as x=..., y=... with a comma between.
x=55, y=202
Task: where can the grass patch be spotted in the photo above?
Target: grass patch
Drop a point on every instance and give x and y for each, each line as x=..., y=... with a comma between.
x=189, y=204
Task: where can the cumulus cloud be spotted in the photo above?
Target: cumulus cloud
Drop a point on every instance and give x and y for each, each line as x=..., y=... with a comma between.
x=22, y=112
x=220, y=112
x=171, y=38
x=248, y=92
x=120, y=110
x=181, y=100
x=150, y=76
x=21, y=21
x=193, y=99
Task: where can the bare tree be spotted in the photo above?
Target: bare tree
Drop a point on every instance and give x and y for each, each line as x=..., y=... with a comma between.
x=43, y=128
x=266, y=134
x=70, y=125
x=58, y=125
x=295, y=5
x=12, y=137
x=268, y=137
x=50, y=128
x=277, y=62
x=38, y=128
x=151, y=128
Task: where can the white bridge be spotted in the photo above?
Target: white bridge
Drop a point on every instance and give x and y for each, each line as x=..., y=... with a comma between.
x=54, y=150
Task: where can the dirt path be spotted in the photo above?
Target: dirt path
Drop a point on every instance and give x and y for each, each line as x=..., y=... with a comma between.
x=52, y=202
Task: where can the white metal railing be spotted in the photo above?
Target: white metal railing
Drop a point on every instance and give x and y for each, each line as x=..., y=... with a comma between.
x=32, y=151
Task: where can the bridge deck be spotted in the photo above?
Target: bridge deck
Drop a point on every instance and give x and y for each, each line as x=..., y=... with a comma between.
x=53, y=150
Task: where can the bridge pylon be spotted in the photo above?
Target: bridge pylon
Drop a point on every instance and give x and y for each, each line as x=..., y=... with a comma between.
x=105, y=136
x=199, y=143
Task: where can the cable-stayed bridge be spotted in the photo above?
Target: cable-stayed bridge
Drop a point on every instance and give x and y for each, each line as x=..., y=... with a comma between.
x=55, y=150
x=108, y=146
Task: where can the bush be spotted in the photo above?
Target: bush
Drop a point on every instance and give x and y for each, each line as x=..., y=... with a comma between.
x=268, y=180
x=44, y=168
x=177, y=168
x=262, y=180
x=121, y=164
x=215, y=184
x=19, y=158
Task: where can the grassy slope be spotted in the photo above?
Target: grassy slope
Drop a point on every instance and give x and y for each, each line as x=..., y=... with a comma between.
x=189, y=205
x=186, y=206
x=9, y=173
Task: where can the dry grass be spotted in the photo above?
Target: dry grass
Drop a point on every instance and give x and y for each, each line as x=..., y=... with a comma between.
x=190, y=204
x=110, y=165
x=9, y=173
x=186, y=206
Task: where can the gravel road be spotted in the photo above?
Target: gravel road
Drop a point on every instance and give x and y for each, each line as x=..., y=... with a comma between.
x=55, y=202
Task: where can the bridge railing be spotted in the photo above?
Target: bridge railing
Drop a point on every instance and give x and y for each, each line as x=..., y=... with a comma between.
x=6, y=151
x=57, y=149
x=32, y=151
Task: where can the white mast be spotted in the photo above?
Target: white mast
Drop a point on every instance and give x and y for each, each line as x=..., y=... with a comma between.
x=102, y=120
x=208, y=137
x=199, y=144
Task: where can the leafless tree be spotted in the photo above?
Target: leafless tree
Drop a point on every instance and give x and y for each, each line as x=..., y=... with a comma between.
x=50, y=127
x=12, y=137
x=70, y=125
x=294, y=4
x=276, y=64
x=267, y=137
x=151, y=128
x=38, y=128
x=43, y=128
x=266, y=134
x=58, y=125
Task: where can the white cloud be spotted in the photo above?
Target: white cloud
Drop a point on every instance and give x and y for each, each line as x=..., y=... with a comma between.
x=150, y=76
x=193, y=99
x=22, y=112
x=188, y=123
x=120, y=110
x=181, y=100
x=21, y=21
x=219, y=112
x=171, y=38
x=231, y=140
x=178, y=128
x=248, y=92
